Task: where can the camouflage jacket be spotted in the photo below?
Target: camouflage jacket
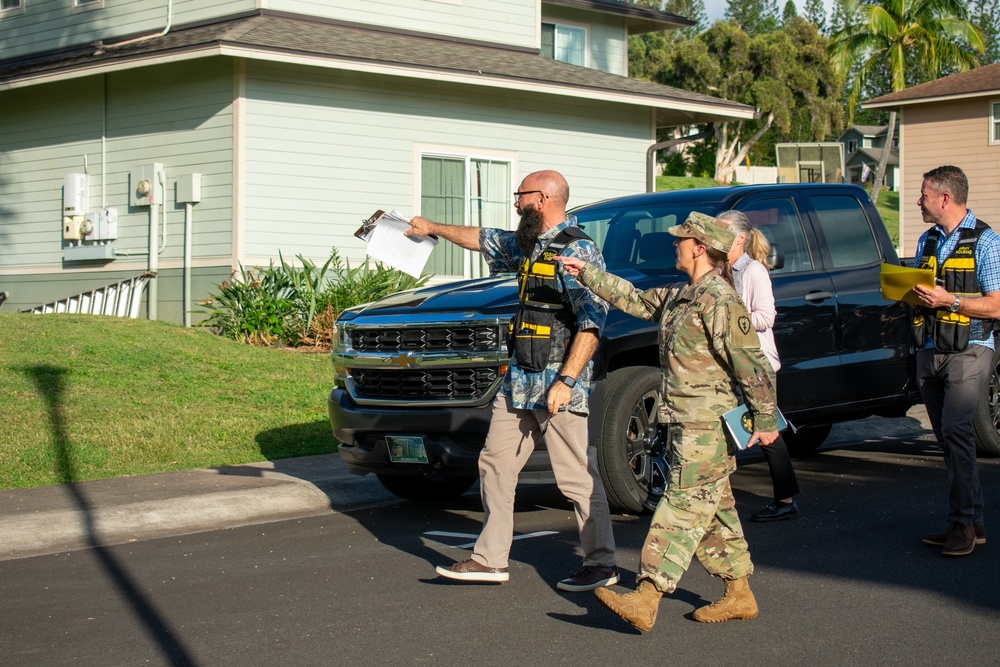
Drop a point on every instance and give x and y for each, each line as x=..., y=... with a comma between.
x=709, y=350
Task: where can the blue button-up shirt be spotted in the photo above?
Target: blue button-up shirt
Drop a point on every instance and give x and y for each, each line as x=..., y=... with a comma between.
x=987, y=268
x=527, y=390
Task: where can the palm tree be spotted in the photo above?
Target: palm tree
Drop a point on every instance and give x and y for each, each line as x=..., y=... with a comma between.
x=888, y=34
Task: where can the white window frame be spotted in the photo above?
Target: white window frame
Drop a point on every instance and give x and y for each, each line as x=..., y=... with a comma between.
x=87, y=5
x=13, y=11
x=471, y=269
x=572, y=26
x=994, y=123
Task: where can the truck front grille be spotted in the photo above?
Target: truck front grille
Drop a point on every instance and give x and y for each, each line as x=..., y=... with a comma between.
x=455, y=384
x=478, y=338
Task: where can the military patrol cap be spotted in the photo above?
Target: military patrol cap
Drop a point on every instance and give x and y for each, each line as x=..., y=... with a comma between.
x=705, y=229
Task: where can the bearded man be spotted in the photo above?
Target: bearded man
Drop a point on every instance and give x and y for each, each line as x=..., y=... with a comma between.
x=545, y=392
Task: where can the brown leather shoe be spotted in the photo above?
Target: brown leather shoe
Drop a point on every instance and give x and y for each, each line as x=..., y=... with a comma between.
x=961, y=540
x=589, y=578
x=937, y=539
x=470, y=570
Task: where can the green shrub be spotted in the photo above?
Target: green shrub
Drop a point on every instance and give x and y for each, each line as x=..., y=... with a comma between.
x=296, y=305
x=255, y=306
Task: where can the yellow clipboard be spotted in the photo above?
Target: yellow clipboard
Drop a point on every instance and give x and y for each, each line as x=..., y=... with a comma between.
x=898, y=282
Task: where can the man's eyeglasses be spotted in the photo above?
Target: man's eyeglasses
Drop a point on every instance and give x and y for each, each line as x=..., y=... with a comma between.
x=518, y=196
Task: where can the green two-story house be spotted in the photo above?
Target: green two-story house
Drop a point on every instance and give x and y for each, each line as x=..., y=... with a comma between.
x=185, y=138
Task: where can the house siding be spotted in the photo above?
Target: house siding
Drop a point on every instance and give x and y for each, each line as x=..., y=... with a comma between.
x=607, y=40
x=174, y=114
x=512, y=22
x=54, y=24
x=325, y=149
x=947, y=133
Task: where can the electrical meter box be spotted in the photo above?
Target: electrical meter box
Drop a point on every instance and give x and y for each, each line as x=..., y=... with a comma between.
x=76, y=194
x=103, y=225
x=71, y=227
x=144, y=186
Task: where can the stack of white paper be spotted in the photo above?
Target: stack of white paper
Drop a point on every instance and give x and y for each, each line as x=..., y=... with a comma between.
x=388, y=243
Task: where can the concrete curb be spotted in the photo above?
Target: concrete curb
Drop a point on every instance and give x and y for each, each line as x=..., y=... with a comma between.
x=66, y=530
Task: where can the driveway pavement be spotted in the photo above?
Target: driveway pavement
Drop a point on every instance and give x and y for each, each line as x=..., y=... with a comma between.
x=66, y=517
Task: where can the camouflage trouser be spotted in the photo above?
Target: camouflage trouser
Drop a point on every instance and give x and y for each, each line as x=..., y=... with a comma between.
x=697, y=514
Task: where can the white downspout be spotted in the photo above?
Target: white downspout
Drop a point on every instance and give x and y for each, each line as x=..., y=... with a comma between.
x=154, y=259
x=101, y=46
x=188, y=215
x=157, y=199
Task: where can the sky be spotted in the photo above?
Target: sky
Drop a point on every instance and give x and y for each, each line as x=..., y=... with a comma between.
x=716, y=9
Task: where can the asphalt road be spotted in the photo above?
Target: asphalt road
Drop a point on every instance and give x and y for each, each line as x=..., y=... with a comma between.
x=847, y=584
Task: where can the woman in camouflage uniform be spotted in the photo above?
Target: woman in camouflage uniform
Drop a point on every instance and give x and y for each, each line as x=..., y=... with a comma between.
x=708, y=346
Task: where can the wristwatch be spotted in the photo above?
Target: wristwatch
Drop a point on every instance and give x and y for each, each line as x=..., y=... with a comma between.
x=567, y=380
x=956, y=304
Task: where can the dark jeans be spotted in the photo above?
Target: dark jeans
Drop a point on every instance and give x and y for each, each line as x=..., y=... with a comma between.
x=779, y=463
x=951, y=385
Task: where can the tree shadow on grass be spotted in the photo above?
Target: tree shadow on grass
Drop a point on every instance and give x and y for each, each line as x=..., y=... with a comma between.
x=51, y=383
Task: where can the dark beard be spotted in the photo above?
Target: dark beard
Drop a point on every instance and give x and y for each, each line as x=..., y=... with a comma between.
x=528, y=230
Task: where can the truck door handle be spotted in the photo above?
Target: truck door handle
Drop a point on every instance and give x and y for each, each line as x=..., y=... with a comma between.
x=818, y=296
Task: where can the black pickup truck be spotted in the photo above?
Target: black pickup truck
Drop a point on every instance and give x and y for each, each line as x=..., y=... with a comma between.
x=416, y=373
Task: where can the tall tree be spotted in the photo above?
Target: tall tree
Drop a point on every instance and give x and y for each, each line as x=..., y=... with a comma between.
x=754, y=17
x=815, y=13
x=894, y=32
x=843, y=14
x=689, y=9
x=985, y=15
x=789, y=11
x=781, y=73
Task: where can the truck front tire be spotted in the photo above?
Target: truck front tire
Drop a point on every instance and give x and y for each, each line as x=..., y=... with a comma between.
x=630, y=457
x=987, y=419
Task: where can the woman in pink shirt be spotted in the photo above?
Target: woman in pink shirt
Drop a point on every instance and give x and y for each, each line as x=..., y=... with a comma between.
x=748, y=258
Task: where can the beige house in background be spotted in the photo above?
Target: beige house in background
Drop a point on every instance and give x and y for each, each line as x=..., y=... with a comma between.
x=952, y=120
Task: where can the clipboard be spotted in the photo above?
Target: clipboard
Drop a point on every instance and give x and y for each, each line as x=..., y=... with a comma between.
x=897, y=282
x=364, y=232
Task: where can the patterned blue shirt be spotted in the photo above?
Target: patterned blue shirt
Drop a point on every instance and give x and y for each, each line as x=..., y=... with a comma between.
x=987, y=267
x=527, y=390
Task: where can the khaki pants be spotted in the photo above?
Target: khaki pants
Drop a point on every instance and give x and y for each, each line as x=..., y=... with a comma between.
x=511, y=439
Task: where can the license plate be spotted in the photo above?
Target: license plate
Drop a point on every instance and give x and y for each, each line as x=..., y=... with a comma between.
x=406, y=449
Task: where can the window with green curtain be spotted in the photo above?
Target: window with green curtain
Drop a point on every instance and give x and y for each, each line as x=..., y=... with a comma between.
x=463, y=191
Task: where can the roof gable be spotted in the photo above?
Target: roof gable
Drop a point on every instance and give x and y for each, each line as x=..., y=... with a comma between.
x=982, y=81
x=270, y=36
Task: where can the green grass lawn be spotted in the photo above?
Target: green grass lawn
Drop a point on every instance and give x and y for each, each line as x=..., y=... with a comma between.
x=88, y=397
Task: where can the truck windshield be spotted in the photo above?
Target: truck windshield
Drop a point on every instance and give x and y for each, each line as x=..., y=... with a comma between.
x=635, y=237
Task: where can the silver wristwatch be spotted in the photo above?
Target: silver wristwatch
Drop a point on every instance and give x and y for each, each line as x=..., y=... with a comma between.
x=956, y=304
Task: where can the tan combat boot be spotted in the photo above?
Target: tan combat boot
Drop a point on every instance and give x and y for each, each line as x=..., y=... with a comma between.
x=738, y=602
x=638, y=607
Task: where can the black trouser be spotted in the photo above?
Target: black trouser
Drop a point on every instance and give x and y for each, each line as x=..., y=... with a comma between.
x=779, y=463
x=951, y=386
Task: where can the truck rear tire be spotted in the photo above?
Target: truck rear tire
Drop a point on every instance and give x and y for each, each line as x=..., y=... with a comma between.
x=426, y=488
x=630, y=457
x=987, y=419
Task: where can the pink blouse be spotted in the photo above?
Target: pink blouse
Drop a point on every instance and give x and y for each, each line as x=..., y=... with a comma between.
x=753, y=283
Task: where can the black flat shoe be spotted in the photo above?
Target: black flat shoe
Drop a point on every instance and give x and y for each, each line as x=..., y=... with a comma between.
x=777, y=511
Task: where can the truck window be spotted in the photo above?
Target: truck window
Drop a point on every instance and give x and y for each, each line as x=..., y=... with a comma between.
x=778, y=220
x=637, y=237
x=847, y=230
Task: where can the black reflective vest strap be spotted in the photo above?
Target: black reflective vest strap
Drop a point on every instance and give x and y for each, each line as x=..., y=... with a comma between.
x=951, y=332
x=542, y=308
